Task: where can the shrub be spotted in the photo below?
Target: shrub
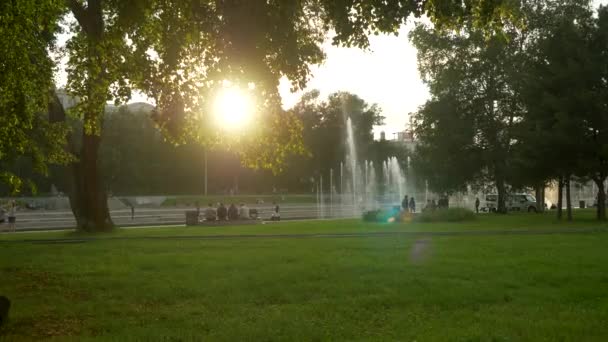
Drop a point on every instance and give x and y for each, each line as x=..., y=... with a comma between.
x=382, y=215
x=371, y=216
x=446, y=215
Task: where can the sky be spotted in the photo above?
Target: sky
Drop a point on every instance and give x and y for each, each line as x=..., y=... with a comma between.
x=385, y=74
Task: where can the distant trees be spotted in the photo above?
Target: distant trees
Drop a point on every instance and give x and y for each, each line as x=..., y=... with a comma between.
x=567, y=117
x=519, y=108
x=324, y=132
x=465, y=131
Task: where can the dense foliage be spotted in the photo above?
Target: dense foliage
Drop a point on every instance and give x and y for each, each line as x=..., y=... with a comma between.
x=27, y=33
x=518, y=108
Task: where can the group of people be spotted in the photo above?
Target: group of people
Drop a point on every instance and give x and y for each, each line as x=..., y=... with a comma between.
x=432, y=205
x=408, y=205
x=8, y=214
x=232, y=213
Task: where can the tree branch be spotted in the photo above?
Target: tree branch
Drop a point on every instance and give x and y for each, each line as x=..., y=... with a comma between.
x=80, y=13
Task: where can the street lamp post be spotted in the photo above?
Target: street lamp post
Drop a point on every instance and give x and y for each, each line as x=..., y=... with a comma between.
x=205, y=157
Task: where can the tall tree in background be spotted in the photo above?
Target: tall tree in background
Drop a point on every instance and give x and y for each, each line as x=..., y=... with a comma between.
x=567, y=118
x=324, y=134
x=465, y=131
x=543, y=152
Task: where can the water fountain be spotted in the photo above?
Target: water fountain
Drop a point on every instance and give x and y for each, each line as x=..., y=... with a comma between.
x=359, y=185
x=351, y=161
x=396, y=177
x=331, y=192
x=371, y=185
x=322, y=197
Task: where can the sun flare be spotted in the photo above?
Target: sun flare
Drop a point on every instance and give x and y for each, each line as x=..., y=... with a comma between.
x=233, y=107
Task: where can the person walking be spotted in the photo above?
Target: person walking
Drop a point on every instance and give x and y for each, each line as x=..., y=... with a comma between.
x=12, y=219
x=412, y=205
x=477, y=205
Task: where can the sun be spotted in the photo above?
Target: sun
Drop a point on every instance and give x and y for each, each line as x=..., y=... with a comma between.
x=233, y=108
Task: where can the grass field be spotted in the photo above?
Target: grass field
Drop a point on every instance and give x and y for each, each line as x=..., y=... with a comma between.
x=478, y=287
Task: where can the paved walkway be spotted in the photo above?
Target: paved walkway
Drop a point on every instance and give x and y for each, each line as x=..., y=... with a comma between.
x=316, y=235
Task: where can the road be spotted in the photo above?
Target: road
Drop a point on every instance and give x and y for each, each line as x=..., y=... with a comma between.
x=28, y=220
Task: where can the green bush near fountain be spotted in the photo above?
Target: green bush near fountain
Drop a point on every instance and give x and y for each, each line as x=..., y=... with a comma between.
x=382, y=215
x=446, y=215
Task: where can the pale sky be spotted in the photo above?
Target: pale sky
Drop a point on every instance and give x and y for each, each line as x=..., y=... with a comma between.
x=387, y=74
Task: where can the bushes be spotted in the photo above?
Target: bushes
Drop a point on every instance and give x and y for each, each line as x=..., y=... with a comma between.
x=382, y=215
x=371, y=216
x=439, y=215
x=446, y=215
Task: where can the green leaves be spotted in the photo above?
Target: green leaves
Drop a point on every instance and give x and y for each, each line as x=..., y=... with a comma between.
x=27, y=30
x=465, y=131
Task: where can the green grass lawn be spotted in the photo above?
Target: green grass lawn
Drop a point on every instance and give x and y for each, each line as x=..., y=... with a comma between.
x=410, y=288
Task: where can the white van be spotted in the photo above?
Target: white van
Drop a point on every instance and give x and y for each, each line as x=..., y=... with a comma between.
x=514, y=202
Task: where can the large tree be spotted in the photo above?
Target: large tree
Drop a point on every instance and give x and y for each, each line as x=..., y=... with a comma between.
x=566, y=119
x=180, y=52
x=466, y=129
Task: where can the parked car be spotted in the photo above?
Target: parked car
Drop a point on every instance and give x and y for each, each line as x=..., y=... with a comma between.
x=513, y=202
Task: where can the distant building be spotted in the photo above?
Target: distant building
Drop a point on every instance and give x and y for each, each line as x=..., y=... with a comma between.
x=69, y=101
x=405, y=138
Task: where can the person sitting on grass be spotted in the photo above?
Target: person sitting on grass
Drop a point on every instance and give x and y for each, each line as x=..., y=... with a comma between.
x=244, y=212
x=210, y=214
x=12, y=219
x=275, y=214
x=233, y=212
x=222, y=212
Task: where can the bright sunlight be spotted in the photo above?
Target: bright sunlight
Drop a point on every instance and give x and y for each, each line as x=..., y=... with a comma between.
x=233, y=107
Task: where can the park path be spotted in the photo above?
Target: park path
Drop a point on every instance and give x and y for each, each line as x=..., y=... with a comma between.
x=315, y=235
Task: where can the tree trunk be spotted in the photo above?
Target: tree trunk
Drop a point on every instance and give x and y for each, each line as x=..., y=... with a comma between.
x=601, y=199
x=560, y=188
x=502, y=194
x=568, y=199
x=544, y=203
x=81, y=179
x=89, y=199
x=540, y=198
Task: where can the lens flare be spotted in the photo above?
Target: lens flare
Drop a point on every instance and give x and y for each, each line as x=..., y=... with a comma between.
x=233, y=108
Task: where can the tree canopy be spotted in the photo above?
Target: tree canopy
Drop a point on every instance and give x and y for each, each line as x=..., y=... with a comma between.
x=179, y=53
